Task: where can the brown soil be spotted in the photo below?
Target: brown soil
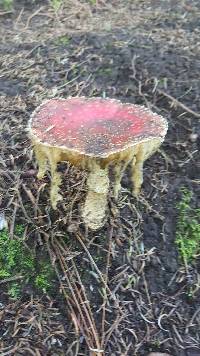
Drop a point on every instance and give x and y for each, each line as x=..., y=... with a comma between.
x=143, y=52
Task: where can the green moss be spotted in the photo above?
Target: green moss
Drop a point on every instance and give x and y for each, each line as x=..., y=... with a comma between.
x=41, y=282
x=4, y=273
x=19, y=230
x=14, y=291
x=18, y=260
x=15, y=258
x=44, y=277
x=188, y=228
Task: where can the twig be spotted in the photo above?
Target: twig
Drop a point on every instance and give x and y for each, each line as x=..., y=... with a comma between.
x=94, y=264
x=11, y=279
x=85, y=302
x=112, y=328
x=90, y=311
x=33, y=15
x=88, y=327
x=105, y=297
x=177, y=102
x=12, y=226
x=5, y=13
x=18, y=18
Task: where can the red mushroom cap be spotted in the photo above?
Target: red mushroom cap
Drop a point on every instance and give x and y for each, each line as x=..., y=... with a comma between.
x=95, y=126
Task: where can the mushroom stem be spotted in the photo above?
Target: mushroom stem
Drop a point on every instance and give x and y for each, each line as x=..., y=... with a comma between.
x=95, y=206
x=119, y=170
x=51, y=155
x=55, y=179
x=137, y=176
x=41, y=160
x=144, y=151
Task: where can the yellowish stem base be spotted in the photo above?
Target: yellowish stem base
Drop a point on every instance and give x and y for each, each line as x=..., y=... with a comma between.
x=94, y=210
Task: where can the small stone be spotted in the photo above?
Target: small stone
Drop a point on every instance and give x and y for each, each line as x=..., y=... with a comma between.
x=193, y=137
x=2, y=306
x=72, y=227
x=53, y=341
x=3, y=222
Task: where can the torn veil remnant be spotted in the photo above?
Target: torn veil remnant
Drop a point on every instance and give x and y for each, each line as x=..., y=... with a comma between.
x=95, y=134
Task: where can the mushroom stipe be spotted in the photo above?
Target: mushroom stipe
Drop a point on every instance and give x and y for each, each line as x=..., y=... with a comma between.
x=97, y=135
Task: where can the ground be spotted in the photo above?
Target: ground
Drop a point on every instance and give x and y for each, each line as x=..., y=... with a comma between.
x=124, y=289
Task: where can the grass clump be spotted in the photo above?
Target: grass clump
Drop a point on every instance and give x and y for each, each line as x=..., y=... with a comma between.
x=62, y=40
x=6, y=4
x=19, y=263
x=56, y=4
x=92, y=2
x=188, y=228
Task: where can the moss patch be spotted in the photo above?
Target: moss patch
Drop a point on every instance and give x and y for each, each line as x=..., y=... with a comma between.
x=19, y=263
x=188, y=228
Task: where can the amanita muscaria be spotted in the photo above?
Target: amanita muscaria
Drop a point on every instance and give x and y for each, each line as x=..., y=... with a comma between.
x=95, y=134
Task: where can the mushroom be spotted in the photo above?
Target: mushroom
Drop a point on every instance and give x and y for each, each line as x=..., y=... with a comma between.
x=95, y=134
